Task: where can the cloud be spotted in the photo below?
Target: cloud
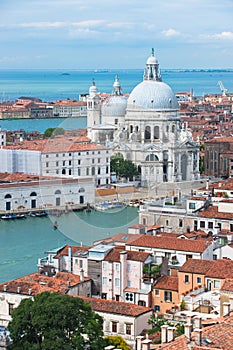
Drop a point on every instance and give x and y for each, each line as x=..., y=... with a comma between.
x=169, y=33
x=43, y=25
x=224, y=35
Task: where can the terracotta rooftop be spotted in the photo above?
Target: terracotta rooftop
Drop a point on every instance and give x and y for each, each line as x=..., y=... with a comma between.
x=64, y=251
x=114, y=255
x=227, y=285
x=56, y=145
x=116, y=307
x=213, y=213
x=36, y=283
x=170, y=243
x=168, y=283
x=196, y=266
x=216, y=337
x=221, y=268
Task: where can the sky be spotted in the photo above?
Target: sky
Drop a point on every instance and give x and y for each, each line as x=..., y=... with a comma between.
x=104, y=34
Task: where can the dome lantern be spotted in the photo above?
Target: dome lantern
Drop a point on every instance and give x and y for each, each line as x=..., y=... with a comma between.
x=152, y=71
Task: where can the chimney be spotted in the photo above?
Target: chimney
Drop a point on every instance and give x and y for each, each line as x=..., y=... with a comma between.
x=81, y=275
x=146, y=344
x=207, y=184
x=69, y=259
x=197, y=322
x=198, y=336
x=5, y=288
x=170, y=334
x=18, y=290
x=231, y=303
x=164, y=333
x=139, y=342
x=29, y=291
x=226, y=308
x=188, y=330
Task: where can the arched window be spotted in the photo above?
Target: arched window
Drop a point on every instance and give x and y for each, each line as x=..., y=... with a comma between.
x=33, y=194
x=156, y=132
x=131, y=129
x=93, y=170
x=151, y=158
x=8, y=196
x=63, y=171
x=147, y=133
x=173, y=128
x=57, y=192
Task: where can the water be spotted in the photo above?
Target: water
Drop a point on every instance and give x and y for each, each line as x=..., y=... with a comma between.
x=24, y=241
x=50, y=85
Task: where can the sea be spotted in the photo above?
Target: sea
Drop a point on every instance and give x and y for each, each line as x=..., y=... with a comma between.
x=23, y=242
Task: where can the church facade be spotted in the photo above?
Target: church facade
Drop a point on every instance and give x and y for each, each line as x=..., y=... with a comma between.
x=145, y=128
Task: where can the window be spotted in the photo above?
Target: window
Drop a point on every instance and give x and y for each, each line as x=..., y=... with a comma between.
x=186, y=278
x=79, y=162
x=105, y=265
x=80, y=264
x=231, y=227
x=129, y=283
x=210, y=225
x=105, y=281
x=167, y=296
x=157, y=292
x=7, y=196
x=198, y=280
x=104, y=296
x=180, y=223
x=117, y=297
x=57, y=163
x=216, y=284
x=156, y=308
x=57, y=155
x=98, y=160
x=47, y=155
x=129, y=297
x=128, y=329
x=128, y=267
x=87, y=171
x=202, y=224
x=33, y=194
x=114, y=327
x=192, y=205
x=47, y=164
x=117, y=282
x=117, y=266
x=70, y=162
x=10, y=308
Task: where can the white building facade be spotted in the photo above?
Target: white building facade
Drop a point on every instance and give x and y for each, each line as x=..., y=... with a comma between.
x=145, y=129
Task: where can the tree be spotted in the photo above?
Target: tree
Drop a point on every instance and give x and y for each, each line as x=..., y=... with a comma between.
x=117, y=341
x=51, y=132
x=123, y=167
x=52, y=321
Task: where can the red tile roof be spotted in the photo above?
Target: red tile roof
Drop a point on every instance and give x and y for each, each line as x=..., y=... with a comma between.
x=168, y=283
x=212, y=212
x=170, y=243
x=196, y=266
x=227, y=285
x=36, y=283
x=116, y=307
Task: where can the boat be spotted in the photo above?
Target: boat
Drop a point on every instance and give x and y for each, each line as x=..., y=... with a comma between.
x=109, y=205
x=55, y=225
x=38, y=214
x=13, y=216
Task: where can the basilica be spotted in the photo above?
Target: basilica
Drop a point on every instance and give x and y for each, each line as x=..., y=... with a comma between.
x=145, y=128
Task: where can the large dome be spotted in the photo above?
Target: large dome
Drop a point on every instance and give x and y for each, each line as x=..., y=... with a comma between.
x=114, y=106
x=152, y=95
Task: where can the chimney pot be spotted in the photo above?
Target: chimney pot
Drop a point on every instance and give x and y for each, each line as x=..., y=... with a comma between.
x=18, y=289
x=226, y=308
x=170, y=334
x=5, y=288
x=198, y=336
x=188, y=330
x=164, y=333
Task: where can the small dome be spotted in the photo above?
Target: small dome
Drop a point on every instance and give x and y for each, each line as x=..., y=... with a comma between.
x=152, y=60
x=93, y=89
x=114, y=105
x=152, y=95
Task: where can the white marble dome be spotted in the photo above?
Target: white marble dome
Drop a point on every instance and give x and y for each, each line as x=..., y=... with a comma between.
x=114, y=105
x=152, y=95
